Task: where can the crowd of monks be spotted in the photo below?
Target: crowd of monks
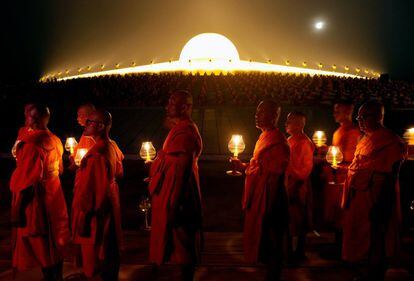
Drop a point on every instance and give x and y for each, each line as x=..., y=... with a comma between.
x=277, y=198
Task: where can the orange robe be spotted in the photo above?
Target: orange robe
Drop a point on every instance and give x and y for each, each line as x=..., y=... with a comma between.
x=265, y=199
x=346, y=138
x=38, y=211
x=96, y=217
x=176, y=197
x=84, y=142
x=21, y=134
x=371, y=198
x=298, y=184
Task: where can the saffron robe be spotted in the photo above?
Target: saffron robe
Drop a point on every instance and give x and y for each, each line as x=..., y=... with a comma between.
x=371, y=198
x=96, y=205
x=21, y=134
x=176, y=197
x=84, y=142
x=346, y=138
x=265, y=200
x=298, y=184
x=41, y=223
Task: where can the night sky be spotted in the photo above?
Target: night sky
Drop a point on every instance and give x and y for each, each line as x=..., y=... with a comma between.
x=45, y=36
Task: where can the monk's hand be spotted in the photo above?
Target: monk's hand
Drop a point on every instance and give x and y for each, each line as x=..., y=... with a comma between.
x=236, y=163
x=148, y=163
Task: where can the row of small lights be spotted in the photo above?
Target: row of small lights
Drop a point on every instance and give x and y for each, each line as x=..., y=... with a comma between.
x=133, y=64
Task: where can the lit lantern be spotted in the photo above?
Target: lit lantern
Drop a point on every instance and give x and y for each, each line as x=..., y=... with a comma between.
x=236, y=146
x=319, y=138
x=133, y=64
x=409, y=136
x=287, y=62
x=320, y=65
x=334, y=156
x=304, y=64
x=102, y=66
x=334, y=67
x=144, y=206
x=346, y=68
x=147, y=151
x=67, y=71
x=269, y=61
x=70, y=145
x=89, y=68
x=80, y=153
x=358, y=70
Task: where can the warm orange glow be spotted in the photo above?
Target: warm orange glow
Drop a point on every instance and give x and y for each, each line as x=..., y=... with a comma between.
x=70, y=145
x=209, y=53
x=409, y=136
x=334, y=156
x=147, y=151
x=236, y=145
x=319, y=138
x=80, y=153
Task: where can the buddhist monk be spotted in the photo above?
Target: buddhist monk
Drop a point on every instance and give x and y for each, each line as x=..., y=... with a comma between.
x=96, y=218
x=85, y=141
x=371, y=196
x=347, y=135
x=265, y=200
x=298, y=183
x=175, y=190
x=38, y=212
x=25, y=130
x=345, y=138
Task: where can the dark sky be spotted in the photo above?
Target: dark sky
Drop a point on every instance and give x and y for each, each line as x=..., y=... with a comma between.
x=54, y=35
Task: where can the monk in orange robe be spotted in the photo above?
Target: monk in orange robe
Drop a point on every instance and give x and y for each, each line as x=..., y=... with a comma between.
x=265, y=201
x=348, y=134
x=175, y=190
x=85, y=142
x=25, y=130
x=371, y=195
x=346, y=138
x=298, y=183
x=38, y=212
x=96, y=217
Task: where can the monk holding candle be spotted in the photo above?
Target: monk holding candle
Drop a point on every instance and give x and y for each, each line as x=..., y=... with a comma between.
x=348, y=134
x=371, y=196
x=298, y=183
x=96, y=218
x=85, y=141
x=265, y=200
x=38, y=212
x=175, y=190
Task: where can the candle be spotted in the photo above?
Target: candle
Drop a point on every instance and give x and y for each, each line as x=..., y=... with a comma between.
x=319, y=138
x=80, y=153
x=409, y=136
x=70, y=145
x=236, y=145
x=147, y=151
x=334, y=156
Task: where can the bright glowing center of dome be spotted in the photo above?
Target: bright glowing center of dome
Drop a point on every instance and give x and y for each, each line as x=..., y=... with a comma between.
x=209, y=46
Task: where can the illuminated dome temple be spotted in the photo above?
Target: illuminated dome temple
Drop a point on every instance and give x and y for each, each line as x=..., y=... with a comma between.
x=212, y=53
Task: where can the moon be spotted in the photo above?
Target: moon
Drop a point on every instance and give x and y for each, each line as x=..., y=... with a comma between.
x=319, y=25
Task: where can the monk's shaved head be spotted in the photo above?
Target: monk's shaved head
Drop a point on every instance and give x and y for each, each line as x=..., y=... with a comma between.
x=180, y=106
x=99, y=123
x=370, y=116
x=267, y=114
x=343, y=111
x=295, y=122
x=38, y=116
x=83, y=111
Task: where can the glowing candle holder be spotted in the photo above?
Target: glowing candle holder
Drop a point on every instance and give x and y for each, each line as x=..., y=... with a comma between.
x=147, y=153
x=80, y=153
x=409, y=138
x=144, y=206
x=334, y=157
x=236, y=146
x=70, y=145
x=319, y=138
